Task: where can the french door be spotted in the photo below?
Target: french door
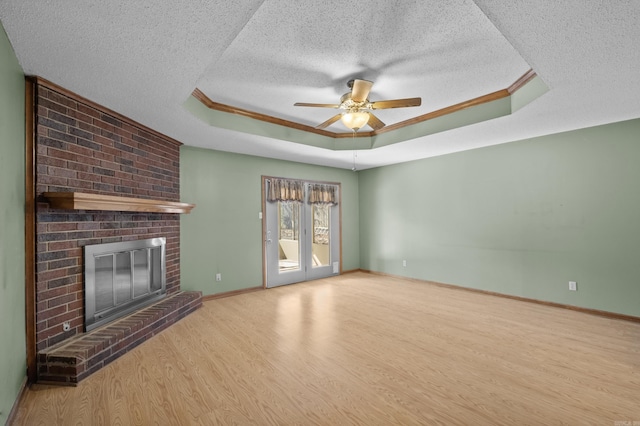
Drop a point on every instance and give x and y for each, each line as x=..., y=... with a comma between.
x=302, y=239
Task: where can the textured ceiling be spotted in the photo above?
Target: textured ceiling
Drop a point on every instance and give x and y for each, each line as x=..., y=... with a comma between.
x=291, y=52
x=144, y=58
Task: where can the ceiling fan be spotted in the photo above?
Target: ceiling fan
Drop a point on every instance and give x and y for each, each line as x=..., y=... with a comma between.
x=357, y=107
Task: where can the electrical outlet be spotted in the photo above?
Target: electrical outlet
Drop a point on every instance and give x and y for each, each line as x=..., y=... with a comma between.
x=218, y=277
x=66, y=326
x=404, y=263
x=573, y=286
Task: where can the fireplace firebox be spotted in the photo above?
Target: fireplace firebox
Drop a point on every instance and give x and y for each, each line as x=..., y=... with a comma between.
x=122, y=277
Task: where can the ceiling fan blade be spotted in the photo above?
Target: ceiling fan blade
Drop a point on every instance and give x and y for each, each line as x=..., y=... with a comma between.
x=329, y=122
x=360, y=90
x=397, y=103
x=374, y=122
x=304, y=104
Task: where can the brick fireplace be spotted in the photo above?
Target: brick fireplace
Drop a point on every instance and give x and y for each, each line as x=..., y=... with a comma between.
x=83, y=147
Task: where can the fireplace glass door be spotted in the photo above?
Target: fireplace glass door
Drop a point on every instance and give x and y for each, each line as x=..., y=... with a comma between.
x=122, y=277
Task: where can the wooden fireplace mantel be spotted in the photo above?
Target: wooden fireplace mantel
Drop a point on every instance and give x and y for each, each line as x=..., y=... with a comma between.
x=84, y=201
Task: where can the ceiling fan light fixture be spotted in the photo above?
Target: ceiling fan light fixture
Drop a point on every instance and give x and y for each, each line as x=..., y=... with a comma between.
x=355, y=120
x=356, y=107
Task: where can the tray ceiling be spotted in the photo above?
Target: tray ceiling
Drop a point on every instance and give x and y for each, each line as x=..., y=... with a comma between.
x=144, y=59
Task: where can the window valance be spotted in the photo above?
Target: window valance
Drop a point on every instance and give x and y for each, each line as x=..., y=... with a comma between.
x=294, y=190
x=285, y=190
x=320, y=193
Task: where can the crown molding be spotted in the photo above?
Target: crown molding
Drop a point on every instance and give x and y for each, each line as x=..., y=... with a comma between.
x=490, y=97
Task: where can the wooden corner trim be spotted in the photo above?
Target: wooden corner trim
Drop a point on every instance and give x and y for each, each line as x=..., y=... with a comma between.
x=59, y=89
x=597, y=312
x=490, y=97
x=524, y=79
x=263, y=206
x=84, y=201
x=30, y=230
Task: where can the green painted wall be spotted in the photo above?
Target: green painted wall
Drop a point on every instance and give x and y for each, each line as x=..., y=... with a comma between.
x=12, y=314
x=223, y=233
x=522, y=218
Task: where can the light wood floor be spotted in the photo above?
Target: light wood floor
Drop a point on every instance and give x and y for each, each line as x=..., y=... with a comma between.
x=363, y=349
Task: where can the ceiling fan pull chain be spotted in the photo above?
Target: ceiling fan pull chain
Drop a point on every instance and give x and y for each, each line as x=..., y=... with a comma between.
x=355, y=153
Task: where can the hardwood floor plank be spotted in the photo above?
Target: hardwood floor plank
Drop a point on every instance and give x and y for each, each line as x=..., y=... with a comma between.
x=363, y=349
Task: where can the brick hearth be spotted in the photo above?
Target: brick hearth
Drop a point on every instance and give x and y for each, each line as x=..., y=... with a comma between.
x=74, y=359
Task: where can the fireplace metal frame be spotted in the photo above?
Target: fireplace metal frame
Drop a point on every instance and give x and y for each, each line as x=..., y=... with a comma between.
x=95, y=319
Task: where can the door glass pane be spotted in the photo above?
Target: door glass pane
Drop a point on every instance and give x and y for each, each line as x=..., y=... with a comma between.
x=320, y=245
x=289, y=235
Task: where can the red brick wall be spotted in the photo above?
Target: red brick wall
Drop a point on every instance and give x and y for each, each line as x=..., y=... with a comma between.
x=83, y=147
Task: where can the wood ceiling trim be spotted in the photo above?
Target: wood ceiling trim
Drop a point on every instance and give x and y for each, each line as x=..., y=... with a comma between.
x=350, y=134
x=490, y=97
x=524, y=79
x=216, y=106
x=447, y=110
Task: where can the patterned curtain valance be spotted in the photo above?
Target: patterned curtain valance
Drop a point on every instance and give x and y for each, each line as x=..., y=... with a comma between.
x=293, y=190
x=285, y=190
x=323, y=194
